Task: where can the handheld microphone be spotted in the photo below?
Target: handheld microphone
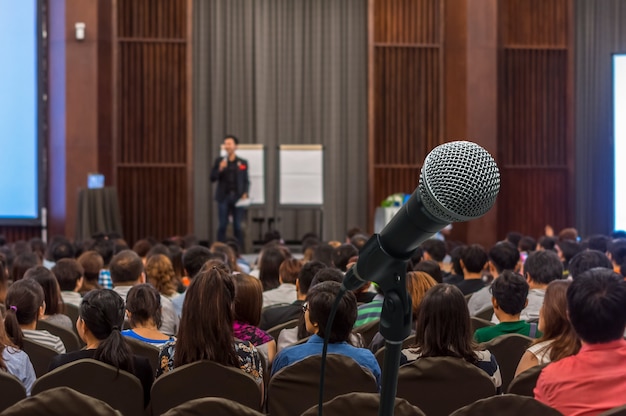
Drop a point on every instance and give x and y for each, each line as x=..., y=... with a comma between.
x=459, y=181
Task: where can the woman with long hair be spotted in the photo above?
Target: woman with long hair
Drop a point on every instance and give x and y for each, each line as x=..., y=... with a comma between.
x=55, y=307
x=559, y=339
x=99, y=325
x=15, y=361
x=25, y=306
x=143, y=308
x=160, y=274
x=206, y=327
x=248, y=305
x=443, y=329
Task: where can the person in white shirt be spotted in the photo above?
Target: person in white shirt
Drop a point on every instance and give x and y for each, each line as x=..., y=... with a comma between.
x=286, y=292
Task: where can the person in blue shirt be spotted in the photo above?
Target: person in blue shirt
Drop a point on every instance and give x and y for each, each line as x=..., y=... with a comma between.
x=316, y=311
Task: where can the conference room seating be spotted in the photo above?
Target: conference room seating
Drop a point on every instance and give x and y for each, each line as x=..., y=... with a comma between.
x=507, y=404
x=477, y=323
x=12, y=390
x=485, y=314
x=68, y=336
x=204, y=379
x=294, y=389
x=440, y=385
x=40, y=356
x=144, y=349
x=508, y=350
x=275, y=330
x=362, y=404
x=120, y=389
x=380, y=354
x=212, y=406
x=72, y=311
x=367, y=331
x=61, y=401
x=524, y=384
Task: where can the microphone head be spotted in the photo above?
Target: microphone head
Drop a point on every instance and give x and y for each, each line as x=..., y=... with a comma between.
x=459, y=181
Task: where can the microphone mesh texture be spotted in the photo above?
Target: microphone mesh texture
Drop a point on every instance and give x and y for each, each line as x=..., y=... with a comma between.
x=459, y=181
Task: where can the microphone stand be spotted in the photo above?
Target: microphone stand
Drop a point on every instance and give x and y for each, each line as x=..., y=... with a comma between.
x=395, y=327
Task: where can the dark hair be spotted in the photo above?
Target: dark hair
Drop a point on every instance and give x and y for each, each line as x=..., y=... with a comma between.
x=126, y=266
x=22, y=263
x=158, y=249
x=443, y=326
x=527, y=244
x=50, y=286
x=271, y=258
x=455, y=259
x=352, y=232
x=233, y=243
x=342, y=255
x=513, y=237
x=596, y=303
x=474, y=258
x=289, y=270
x=504, y=256
x=510, y=291
x=359, y=240
x=231, y=136
x=569, y=249
x=68, y=272
x=555, y=324
x=617, y=248
x=327, y=274
x=430, y=267
x=324, y=253
x=143, y=302
x=599, y=242
x=38, y=247
x=435, y=249
x=24, y=298
x=248, y=299
x=587, y=260
x=206, y=324
x=62, y=249
x=543, y=267
x=142, y=247
x=106, y=249
x=194, y=258
x=102, y=312
x=307, y=273
x=160, y=273
x=320, y=300
x=547, y=243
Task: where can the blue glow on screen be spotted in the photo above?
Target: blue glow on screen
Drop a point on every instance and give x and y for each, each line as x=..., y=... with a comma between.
x=619, y=94
x=18, y=109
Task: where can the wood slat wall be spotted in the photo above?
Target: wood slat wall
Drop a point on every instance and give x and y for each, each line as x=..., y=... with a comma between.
x=152, y=138
x=405, y=107
x=535, y=137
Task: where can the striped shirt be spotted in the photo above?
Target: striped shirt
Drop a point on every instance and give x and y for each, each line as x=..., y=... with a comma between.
x=368, y=312
x=43, y=337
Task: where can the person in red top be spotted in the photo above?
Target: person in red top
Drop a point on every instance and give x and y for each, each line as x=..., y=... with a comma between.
x=594, y=380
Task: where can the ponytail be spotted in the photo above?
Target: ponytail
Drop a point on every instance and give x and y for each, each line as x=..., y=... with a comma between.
x=23, y=300
x=114, y=350
x=12, y=327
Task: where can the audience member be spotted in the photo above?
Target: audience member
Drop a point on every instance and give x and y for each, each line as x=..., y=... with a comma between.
x=324, y=253
x=456, y=272
x=587, y=260
x=316, y=311
x=592, y=381
x=25, y=306
x=99, y=325
x=143, y=309
x=194, y=259
x=443, y=329
x=509, y=297
x=228, y=253
x=269, y=264
x=285, y=293
x=567, y=249
x=435, y=250
x=343, y=254
x=54, y=307
x=430, y=267
x=616, y=252
x=473, y=261
x=160, y=274
x=69, y=273
x=106, y=249
x=23, y=262
x=16, y=362
x=559, y=340
x=599, y=242
x=92, y=263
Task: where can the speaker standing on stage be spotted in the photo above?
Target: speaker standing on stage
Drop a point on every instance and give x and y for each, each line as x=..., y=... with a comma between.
x=231, y=174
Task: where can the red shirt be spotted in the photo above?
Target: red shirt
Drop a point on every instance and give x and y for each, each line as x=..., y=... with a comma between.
x=588, y=383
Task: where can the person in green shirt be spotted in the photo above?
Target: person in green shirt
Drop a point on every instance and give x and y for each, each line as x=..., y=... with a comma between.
x=509, y=294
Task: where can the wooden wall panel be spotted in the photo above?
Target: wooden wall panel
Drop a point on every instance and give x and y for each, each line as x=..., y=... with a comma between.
x=394, y=180
x=407, y=21
x=153, y=116
x=15, y=233
x=535, y=135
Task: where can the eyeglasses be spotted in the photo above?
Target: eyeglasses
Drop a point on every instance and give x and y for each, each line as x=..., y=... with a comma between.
x=305, y=307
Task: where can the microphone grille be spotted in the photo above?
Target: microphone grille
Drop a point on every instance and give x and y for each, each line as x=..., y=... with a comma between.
x=459, y=181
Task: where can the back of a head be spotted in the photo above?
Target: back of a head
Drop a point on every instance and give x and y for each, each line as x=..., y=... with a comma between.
x=227, y=252
x=142, y=247
x=50, y=286
x=443, y=324
x=102, y=312
x=106, y=249
x=543, y=267
x=143, y=302
x=327, y=274
x=307, y=274
x=527, y=243
x=474, y=257
x=92, y=263
x=271, y=259
x=206, y=324
x=67, y=273
x=510, y=291
x=554, y=310
x=435, y=248
x=342, y=254
x=596, y=304
x=587, y=260
x=160, y=273
x=248, y=299
x=320, y=300
x=547, y=243
x=126, y=267
x=23, y=262
x=359, y=240
x=62, y=249
x=599, y=242
x=514, y=237
x=568, y=248
x=617, y=248
x=324, y=253
x=194, y=258
x=504, y=256
x=23, y=300
x=289, y=270
x=455, y=258
x=417, y=284
x=431, y=267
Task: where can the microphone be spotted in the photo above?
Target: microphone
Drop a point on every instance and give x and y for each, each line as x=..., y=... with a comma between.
x=459, y=181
